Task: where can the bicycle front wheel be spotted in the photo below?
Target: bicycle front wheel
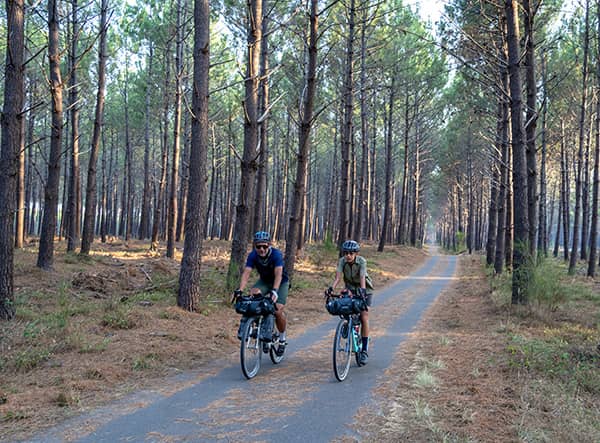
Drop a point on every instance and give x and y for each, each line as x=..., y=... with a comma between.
x=250, y=352
x=341, y=350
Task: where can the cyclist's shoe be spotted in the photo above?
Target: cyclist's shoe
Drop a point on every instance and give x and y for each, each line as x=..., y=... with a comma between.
x=345, y=330
x=280, y=348
x=363, y=358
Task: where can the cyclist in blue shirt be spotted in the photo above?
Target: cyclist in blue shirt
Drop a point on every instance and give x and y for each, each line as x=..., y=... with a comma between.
x=273, y=279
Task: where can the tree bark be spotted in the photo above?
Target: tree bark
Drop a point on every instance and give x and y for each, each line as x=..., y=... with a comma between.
x=248, y=164
x=346, y=133
x=46, y=250
x=162, y=184
x=189, y=276
x=306, y=121
x=74, y=200
x=89, y=221
x=591, y=271
x=578, y=181
x=531, y=117
x=260, y=198
x=389, y=167
x=145, y=216
x=174, y=185
x=11, y=122
x=519, y=163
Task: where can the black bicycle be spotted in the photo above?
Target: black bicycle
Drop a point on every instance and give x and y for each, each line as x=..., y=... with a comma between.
x=347, y=340
x=257, y=332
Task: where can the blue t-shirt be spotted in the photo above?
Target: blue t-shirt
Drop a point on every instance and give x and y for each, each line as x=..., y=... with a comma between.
x=266, y=266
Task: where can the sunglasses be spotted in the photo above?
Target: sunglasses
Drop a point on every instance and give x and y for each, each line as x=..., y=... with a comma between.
x=348, y=253
x=262, y=247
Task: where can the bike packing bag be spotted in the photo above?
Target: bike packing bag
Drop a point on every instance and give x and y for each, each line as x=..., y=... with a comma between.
x=345, y=306
x=266, y=328
x=249, y=306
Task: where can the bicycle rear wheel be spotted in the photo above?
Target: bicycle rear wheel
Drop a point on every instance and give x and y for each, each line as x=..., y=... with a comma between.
x=250, y=352
x=341, y=350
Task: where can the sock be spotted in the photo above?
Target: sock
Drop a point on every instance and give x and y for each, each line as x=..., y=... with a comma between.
x=282, y=336
x=365, y=343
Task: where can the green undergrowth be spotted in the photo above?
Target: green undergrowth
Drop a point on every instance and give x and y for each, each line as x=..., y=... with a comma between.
x=553, y=352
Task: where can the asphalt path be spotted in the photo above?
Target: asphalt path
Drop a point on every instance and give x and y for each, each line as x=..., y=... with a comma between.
x=298, y=400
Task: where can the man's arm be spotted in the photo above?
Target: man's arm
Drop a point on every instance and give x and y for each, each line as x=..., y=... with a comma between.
x=278, y=270
x=338, y=275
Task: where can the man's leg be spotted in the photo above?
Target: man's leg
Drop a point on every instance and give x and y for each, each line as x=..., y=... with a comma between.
x=364, y=318
x=280, y=317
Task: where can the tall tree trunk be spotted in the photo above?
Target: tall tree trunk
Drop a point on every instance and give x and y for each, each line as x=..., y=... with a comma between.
x=11, y=122
x=496, y=213
x=565, y=194
x=162, y=184
x=520, y=193
x=361, y=209
x=74, y=201
x=306, y=121
x=185, y=178
x=104, y=203
x=389, y=167
x=585, y=197
x=404, y=197
x=145, y=216
x=543, y=213
x=189, y=277
x=531, y=124
x=89, y=221
x=416, y=193
x=127, y=203
x=174, y=185
x=248, y=164
x=558, y=225
x=346, y=141
x=578, y=182
x=46, y=251
x=20, y=192
x=259, y=222
x=591, y=271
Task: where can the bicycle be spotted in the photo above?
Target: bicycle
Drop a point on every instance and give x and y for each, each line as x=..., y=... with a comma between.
x=347, y=339
x=258, y=332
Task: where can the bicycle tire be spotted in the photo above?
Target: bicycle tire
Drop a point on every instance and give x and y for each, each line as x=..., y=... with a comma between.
x=250, y=351
x=341, y=350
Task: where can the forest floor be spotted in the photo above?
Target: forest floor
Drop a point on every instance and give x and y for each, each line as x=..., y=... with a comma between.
x=474, y=369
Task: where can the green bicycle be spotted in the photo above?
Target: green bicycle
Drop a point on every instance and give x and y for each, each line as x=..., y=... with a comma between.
x=347, y=339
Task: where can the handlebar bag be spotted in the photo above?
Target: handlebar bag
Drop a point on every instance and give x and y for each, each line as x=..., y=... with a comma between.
x=345, y=306
x=249, y=306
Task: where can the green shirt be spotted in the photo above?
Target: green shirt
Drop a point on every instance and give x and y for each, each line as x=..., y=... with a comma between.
x=352, y=273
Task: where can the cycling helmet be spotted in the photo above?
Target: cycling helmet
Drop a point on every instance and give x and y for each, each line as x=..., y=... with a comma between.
x=262, y=236
x=350, y=246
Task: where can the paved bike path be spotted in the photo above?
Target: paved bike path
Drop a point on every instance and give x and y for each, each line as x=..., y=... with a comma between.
x=298, y=400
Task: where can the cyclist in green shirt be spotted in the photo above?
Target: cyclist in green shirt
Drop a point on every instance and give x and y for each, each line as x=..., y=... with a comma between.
x=353, y=269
